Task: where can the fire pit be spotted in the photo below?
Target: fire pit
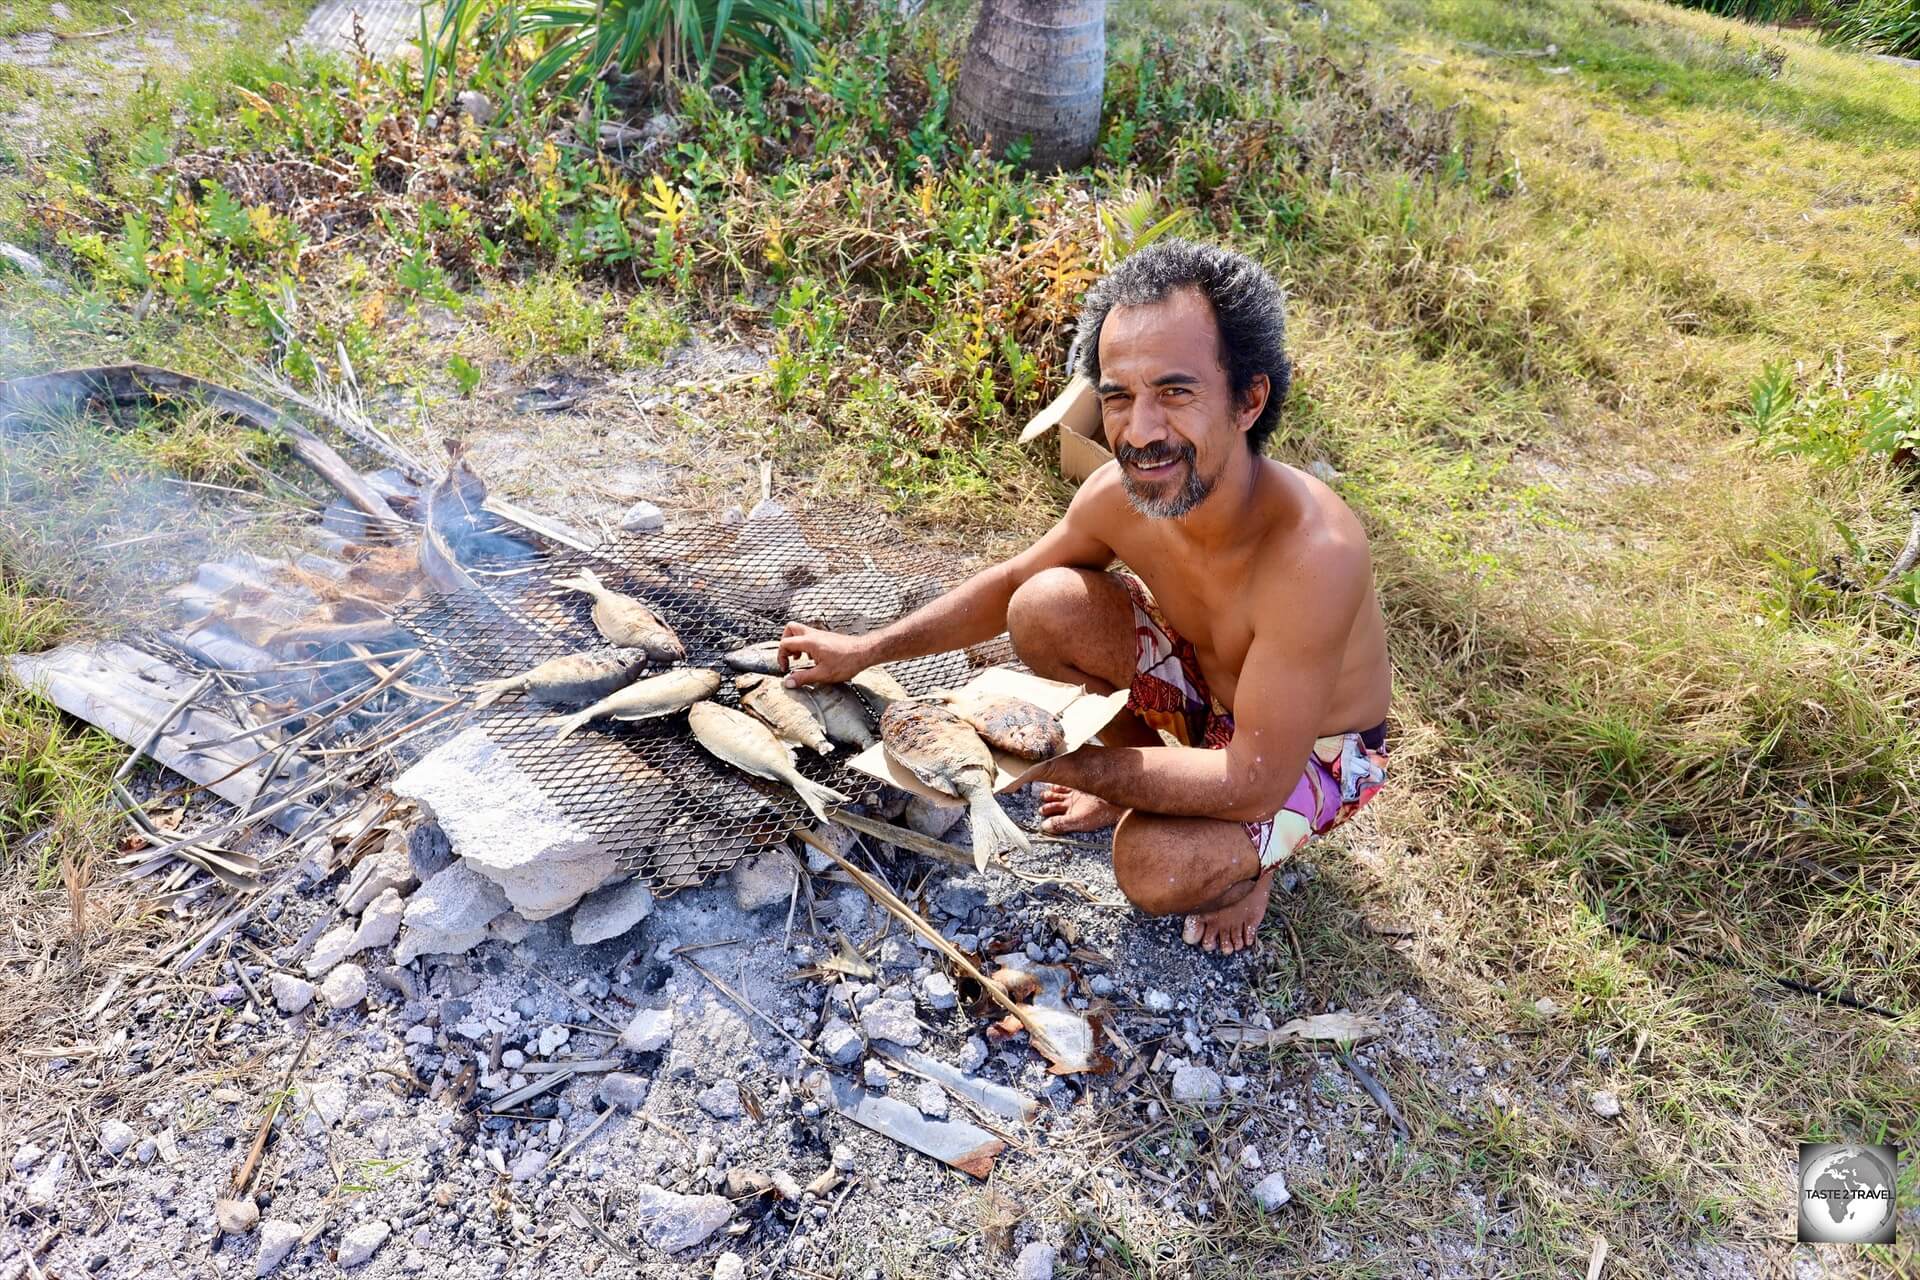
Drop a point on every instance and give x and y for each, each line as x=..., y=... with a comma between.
x=673, y=814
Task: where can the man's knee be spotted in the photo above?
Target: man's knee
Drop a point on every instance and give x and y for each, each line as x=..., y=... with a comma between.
x=1171, y=865
x=1039, y=607
x=1071, y=624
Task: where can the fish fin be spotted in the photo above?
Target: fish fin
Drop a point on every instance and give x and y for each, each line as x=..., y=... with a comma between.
x=582, y=580
x=488, y=692
x=569, y=725
x=816, y=796
x=993, y=831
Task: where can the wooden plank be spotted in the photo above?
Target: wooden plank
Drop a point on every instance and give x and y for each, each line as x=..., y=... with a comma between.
x=125, y=692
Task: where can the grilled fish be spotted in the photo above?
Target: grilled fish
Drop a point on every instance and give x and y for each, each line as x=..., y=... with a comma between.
x=660, y=695
x=577, y=677
x=944, y=752
x=878, y=685
x=625, y=621
x=763, y=659
x=749, y=746
x=1012, y=725
x=789, y=717
x=758, y=659
x=840, y=712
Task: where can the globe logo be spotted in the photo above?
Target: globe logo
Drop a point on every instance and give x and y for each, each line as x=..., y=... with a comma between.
x=1846, y=1193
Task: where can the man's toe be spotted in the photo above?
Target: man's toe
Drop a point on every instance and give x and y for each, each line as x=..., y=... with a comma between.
x=1192, y=931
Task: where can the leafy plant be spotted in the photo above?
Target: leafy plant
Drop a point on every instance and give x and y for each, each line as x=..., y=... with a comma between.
x=1889, y=26
x=1772, y=12
x=1833, y=425
x=465, y=374
x=580, y=40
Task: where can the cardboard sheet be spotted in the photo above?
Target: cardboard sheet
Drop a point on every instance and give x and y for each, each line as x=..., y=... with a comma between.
x=1075, y=413
x=1082, y=715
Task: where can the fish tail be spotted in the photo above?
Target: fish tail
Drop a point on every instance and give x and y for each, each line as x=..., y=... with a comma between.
x=570, y=725
x=814, y=795
x=582, y=580
x=993, y=831
x=488, y=692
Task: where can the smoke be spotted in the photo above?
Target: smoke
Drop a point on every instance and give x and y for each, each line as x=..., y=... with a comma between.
x=97, y=510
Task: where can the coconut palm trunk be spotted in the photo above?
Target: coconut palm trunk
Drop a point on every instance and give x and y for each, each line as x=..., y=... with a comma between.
x=1034, y=71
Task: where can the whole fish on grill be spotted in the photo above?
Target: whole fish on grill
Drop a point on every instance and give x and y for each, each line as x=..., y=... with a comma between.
x=1012, y=725
x=784, y=713
x=749, y=746
x=878, y=685
x=944, y=752
x=577, y=677
x=763, y=659
x=625, y=621
x=840, y=712
x=660, y=695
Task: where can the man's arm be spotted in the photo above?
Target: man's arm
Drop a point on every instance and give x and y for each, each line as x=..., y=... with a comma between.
x=1278, y=708
x=972, y=612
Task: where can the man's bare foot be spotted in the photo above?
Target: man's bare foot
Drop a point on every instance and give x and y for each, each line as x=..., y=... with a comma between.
x=1233, y=927
x=1062, y=809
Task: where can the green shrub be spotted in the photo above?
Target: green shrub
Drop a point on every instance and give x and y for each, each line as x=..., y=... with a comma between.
x=1886, y=26
x=1825, y=421
x=582, y=39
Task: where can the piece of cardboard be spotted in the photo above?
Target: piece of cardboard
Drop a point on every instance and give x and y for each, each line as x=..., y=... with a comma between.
x=1082, y=715
x=1075, y=412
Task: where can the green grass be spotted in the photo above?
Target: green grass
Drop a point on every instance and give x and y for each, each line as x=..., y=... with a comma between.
x=546, y=316
x=53, y=772
x=1665, y=61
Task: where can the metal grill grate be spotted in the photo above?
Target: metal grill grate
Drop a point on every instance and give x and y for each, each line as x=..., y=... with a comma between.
x=672, y=813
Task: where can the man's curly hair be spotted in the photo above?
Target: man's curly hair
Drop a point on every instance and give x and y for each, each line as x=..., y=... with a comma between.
x=1249, y=308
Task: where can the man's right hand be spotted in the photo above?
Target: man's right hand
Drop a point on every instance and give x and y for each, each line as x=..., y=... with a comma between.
x=836, y=657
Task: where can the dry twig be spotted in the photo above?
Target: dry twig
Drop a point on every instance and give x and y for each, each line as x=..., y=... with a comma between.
x=911, y=918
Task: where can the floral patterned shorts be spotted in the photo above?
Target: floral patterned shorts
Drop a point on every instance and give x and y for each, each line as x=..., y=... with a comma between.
x=1169, y=693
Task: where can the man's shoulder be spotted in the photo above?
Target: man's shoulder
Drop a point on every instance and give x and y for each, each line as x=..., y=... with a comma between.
x=1101, y=495
x=1311, y=522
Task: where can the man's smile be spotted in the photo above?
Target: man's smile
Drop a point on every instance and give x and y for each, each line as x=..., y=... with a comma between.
x=1155, y=462
x=1154, y=470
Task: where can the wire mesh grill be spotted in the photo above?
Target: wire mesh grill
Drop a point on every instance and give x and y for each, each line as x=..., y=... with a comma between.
x=672, y=814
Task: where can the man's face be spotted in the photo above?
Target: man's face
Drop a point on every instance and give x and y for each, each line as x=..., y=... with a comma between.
x=1168, y=408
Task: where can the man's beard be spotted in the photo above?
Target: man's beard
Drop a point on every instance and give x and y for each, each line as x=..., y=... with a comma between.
x=1159, y=506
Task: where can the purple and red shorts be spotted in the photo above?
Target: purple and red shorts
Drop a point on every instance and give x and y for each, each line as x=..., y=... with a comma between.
x=1169, y=693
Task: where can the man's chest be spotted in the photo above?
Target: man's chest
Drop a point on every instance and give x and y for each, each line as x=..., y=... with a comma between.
x=1210, y=610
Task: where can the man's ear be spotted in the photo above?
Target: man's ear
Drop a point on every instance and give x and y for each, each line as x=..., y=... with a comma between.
x=1248, y=410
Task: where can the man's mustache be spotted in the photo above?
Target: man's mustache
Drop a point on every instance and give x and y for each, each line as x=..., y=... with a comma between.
x=1153, y=455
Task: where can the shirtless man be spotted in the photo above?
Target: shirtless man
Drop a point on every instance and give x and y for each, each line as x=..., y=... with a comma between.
x=1247, y=629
